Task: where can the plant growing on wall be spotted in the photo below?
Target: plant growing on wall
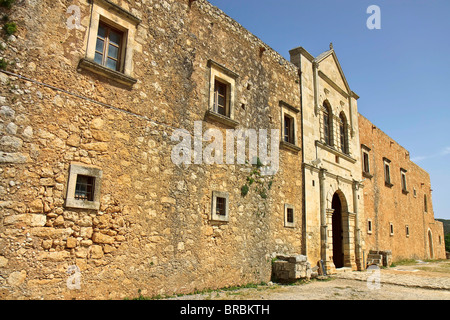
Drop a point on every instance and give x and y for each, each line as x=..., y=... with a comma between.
x=7, y=3
x=261, y=184
x=9, y=28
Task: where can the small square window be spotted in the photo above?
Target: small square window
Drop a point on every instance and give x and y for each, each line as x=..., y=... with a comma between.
x=219, y=206
x=83, y=188
x=289, y=216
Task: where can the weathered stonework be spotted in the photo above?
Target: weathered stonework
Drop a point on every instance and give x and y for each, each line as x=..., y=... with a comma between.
x=129, y=218
x=388, y=204
x=153, y=230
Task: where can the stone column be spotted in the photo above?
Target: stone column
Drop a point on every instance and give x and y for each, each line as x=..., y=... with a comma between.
x=358, y=253
x=328, y=261
x=348, y=227
x=326, y=239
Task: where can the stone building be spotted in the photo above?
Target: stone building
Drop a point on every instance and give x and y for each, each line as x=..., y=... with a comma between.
x=397, y=200
x=135, y=138
x=331, y=161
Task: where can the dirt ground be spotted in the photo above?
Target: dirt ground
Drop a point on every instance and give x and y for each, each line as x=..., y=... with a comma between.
x=414, y=281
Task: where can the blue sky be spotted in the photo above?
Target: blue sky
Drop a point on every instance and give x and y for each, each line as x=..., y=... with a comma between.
x=401, y=71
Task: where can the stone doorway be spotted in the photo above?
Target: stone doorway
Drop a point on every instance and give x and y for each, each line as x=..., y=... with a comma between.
x=338, y=236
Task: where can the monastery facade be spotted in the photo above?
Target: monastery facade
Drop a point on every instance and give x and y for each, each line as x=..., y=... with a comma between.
x=156, y=146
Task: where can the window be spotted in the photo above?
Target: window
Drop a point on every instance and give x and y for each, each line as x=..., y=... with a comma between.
x=83, y=188
x=288, y=139
x=366, y=161
x=219, y=206
x=403, y=177
x=391, y=229
x=366, y=167
x=407, y=231
x=415, y=193
x=111, y=42
x=108, y=47
x=425, y=203
x=327, y=123
x=369, y=226
x=343, y=129
x=387, y=172
x=289, y=129
x=222, y=95
x=289, y=216
x=220, y=98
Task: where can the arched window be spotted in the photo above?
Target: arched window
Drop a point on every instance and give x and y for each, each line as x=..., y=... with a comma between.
x=327, y=123
x=343, y=130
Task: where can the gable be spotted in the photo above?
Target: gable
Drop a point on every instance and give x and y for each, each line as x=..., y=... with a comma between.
x=331, y=68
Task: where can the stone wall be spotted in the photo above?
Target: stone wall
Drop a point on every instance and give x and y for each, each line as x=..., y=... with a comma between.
x=386, y=205
x=153, y=230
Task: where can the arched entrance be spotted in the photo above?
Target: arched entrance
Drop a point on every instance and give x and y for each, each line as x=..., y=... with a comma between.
x=338, y=237
x=430, y=244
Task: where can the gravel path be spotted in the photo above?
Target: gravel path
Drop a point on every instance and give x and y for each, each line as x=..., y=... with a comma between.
x=421, y=281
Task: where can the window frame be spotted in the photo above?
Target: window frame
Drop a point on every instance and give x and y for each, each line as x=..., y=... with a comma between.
x=218, y=83
x=404, y=183
x=214, y=215
x=369, y=226
x=290, y=112
x=327, y=119
x=387, y=173
x=76, y=170
x=343, y=134
x=105, y=52
x=106, y=12
x=289, y=136
x=287, y=223
x=425, y=203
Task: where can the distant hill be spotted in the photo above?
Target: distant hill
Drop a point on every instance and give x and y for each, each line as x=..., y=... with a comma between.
x=446, y=225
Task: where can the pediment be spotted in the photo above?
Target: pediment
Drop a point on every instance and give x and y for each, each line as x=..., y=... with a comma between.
x=331, y=69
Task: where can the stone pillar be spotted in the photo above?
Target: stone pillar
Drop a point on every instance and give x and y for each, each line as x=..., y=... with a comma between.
x=328, y=261
x=348, y=227
x=358, y=251
x=326, y=237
